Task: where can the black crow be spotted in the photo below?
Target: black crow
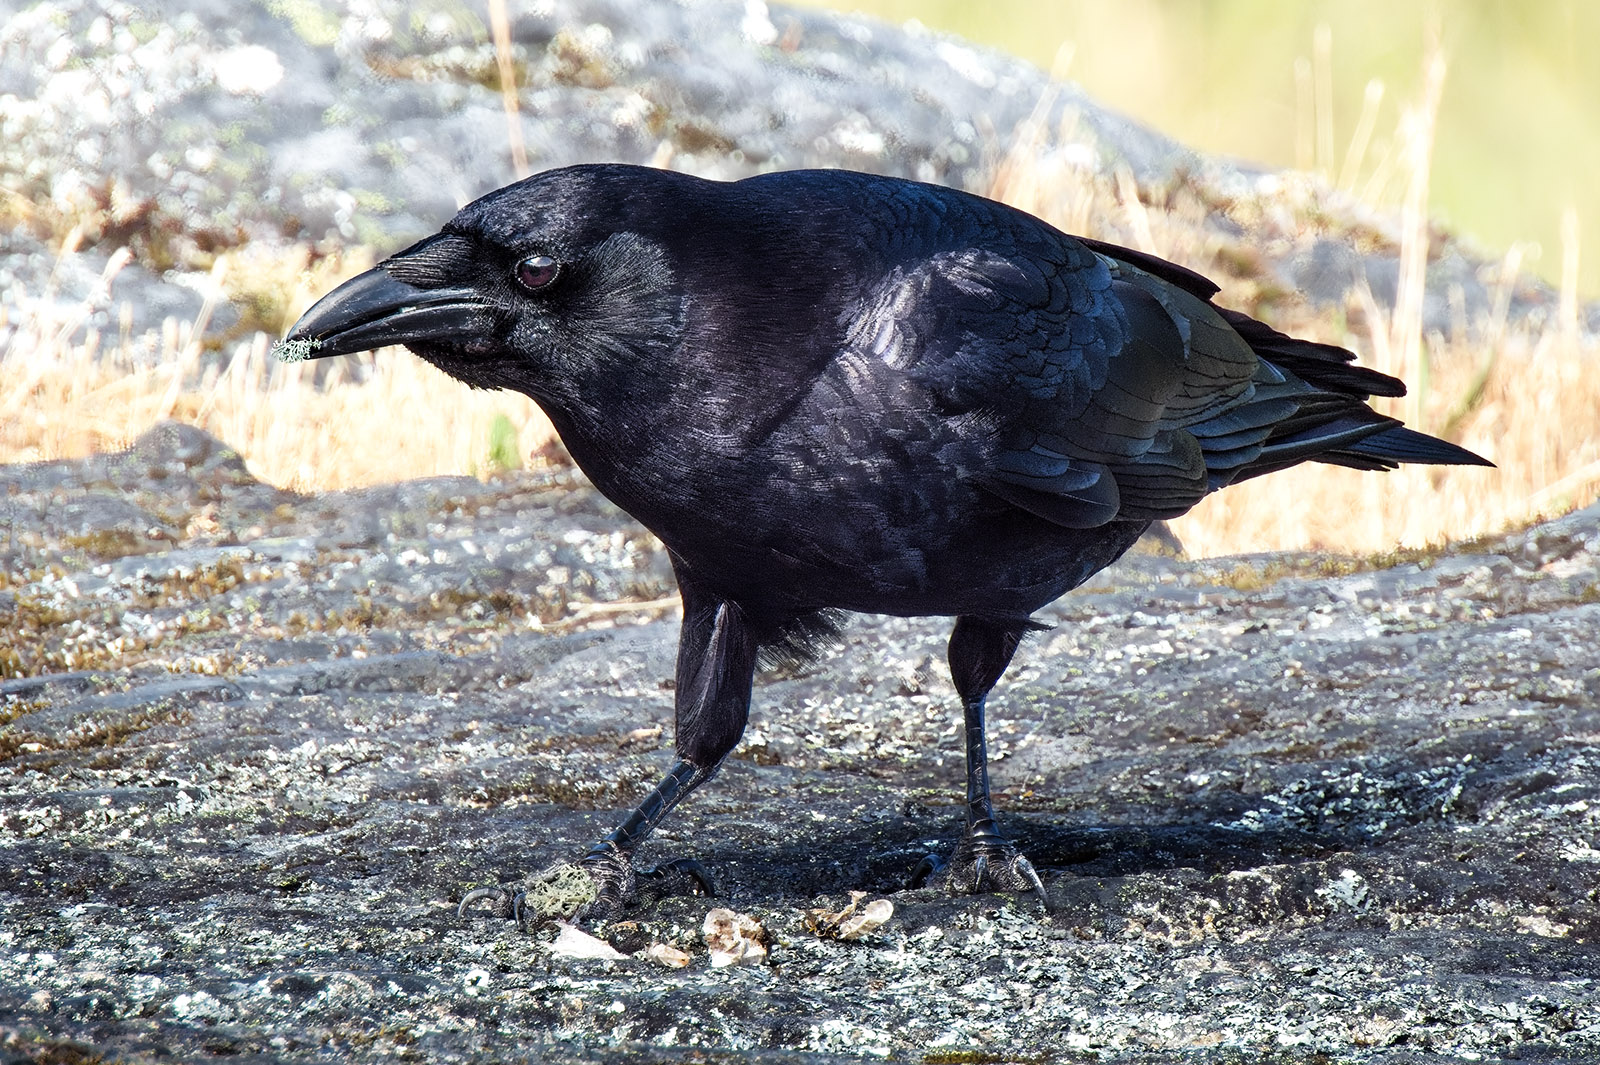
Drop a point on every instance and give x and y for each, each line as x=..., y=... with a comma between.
x=832, y=391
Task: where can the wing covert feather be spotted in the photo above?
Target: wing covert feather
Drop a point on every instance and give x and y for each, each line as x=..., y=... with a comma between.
x=1100, y=383
x=1085, y=373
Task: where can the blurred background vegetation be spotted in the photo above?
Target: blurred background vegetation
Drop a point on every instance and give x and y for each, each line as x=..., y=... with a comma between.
x=1518, y=138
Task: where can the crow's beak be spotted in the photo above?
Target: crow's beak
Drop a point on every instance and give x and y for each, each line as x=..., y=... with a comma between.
x=373, y=309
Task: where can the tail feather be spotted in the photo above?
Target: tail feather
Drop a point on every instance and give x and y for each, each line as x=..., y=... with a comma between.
x=1351, y=433
x=1407, y=445
x=1331, y=422
x=1323, y=365
x=1295, y=401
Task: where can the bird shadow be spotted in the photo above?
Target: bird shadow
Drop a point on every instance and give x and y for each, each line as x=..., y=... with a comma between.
x=881, y=856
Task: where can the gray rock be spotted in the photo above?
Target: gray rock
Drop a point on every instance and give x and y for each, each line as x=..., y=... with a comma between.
x=249, y=771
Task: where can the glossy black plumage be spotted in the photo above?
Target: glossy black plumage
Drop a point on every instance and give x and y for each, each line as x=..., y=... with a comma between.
x=831, y=391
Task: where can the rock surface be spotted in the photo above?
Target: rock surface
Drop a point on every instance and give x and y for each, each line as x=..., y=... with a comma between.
x=255, y=746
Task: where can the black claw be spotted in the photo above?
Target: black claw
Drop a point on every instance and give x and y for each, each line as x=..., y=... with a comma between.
x=981, y=864
x=926, y=870
x=674, y=877
x=980, y=873
x=1025, y=869
x=503, y=904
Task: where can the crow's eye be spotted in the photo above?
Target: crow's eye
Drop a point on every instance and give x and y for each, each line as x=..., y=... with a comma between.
x=537, y=272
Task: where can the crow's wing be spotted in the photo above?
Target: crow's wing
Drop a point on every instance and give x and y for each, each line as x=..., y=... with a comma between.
x=1103, y=390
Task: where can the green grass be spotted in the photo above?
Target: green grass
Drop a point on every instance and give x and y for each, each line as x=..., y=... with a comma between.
x=504, y=452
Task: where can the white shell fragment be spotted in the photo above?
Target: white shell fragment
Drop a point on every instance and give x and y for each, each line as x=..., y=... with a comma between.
x=668, y=955
x=574, y=942
x=850, y=922
x=871, y=917
x=734, y=938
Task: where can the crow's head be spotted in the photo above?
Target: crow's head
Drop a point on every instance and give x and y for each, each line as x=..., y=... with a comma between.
x=539, y=287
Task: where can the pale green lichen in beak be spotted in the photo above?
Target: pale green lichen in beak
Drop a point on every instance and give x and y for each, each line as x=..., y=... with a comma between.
x=296, y=350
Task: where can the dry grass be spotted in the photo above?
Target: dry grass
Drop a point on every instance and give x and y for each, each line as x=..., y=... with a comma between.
x=372, y=418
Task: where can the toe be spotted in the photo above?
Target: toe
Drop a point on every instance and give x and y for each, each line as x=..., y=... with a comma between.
x=681, y=876
x=504, y=901
x=615, y=883
x=980, y=866
x=979, y=879
x=927, y=871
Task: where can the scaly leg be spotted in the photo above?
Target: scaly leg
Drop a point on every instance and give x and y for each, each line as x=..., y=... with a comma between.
x=716, y=665
x=984, y=860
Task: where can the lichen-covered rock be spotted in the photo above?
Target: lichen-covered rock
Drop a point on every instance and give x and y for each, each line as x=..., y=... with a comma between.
x=250, y=765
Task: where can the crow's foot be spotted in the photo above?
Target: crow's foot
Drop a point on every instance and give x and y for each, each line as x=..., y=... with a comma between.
x=600, y=887
x=620, y=886
x=978, y=865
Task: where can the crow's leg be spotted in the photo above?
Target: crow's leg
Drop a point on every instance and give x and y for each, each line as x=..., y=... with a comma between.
x=716, y=664
x=984, y=860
